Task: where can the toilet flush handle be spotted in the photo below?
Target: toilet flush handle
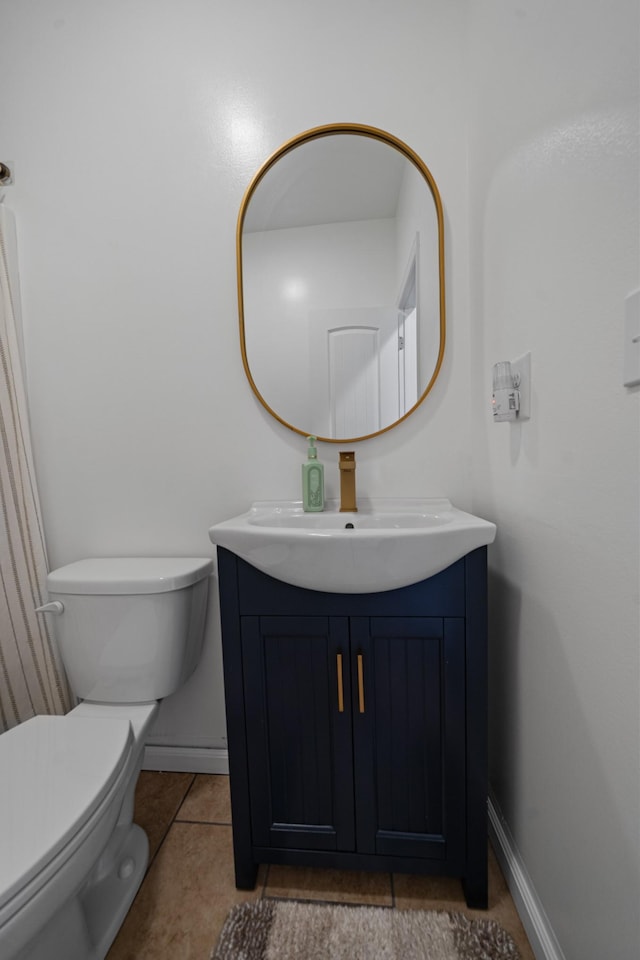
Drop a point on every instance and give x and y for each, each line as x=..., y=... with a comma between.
x=54, y=607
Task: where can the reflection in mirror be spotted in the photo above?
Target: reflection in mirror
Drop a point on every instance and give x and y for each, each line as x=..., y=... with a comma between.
x=341, y=282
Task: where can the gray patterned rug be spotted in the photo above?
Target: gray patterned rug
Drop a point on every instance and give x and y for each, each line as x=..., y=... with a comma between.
x=290, y=930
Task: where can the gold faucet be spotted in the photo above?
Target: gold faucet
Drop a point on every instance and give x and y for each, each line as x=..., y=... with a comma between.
x=347, y=467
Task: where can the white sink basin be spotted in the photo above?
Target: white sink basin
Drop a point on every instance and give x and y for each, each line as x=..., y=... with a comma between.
x=386, y=544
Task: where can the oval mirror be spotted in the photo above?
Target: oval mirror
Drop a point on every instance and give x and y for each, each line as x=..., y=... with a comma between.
x=341, y=282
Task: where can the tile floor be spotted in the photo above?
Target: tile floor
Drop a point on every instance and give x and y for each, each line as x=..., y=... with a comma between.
x=189, y=887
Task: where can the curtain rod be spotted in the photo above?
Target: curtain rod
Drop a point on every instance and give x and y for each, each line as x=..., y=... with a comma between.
x=5, y=173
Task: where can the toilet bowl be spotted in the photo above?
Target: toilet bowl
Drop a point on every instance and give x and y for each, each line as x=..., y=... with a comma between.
x=130, y=632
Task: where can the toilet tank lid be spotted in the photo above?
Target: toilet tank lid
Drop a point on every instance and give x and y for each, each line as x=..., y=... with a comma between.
x=128, y=575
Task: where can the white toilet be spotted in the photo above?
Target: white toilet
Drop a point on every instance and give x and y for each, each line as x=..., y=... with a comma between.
x=71, y=860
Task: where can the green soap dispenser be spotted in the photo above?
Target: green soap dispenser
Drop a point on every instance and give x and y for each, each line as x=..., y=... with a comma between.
x=312, y=480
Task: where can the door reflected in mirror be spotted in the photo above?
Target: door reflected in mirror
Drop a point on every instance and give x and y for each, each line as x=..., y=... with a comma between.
x=341, y=282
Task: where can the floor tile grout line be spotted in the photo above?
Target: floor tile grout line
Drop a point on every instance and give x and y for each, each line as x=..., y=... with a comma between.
x=330, y=903
x=186, y=794
x=212, y=823
x=169, y=825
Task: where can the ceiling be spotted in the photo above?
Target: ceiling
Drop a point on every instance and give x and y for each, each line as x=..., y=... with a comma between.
x=331, y=179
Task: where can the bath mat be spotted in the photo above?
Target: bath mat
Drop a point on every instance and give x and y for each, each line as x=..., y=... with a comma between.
x=290, y=930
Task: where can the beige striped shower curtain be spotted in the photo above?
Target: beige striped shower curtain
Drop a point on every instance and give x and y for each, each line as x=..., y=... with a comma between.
x=32, y=678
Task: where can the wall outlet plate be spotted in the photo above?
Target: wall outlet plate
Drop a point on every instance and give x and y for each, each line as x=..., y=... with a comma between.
x=522, y=368
x=631, y=373
x=8, y=165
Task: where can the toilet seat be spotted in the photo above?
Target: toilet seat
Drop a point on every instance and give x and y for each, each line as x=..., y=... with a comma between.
x=74, y=764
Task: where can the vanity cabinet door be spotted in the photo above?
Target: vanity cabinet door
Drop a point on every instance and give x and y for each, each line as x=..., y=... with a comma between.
x=408, y=693
x=298, y=726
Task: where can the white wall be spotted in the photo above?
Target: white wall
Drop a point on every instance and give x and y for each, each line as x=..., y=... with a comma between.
x=555, y=221
x=134, y=127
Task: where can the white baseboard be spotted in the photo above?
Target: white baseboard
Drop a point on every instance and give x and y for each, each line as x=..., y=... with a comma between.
x=186, y=759
x=534, y=919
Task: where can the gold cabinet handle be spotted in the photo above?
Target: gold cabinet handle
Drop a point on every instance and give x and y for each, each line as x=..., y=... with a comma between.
x=340, y=684
x=360, y=684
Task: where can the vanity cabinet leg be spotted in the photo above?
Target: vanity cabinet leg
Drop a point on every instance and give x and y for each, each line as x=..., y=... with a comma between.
x=476, y=892
x=246, y=875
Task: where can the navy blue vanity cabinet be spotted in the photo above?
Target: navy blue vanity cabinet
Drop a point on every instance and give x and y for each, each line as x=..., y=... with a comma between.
x=357, y=724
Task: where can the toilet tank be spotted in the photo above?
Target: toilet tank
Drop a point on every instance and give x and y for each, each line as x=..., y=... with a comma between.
x=131, y=628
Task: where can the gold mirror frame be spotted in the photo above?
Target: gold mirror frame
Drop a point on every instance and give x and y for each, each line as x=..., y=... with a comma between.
x=315, y=133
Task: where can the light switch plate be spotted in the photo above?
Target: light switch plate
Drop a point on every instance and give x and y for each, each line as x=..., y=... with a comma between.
x=522, y=368
x=631, y=374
